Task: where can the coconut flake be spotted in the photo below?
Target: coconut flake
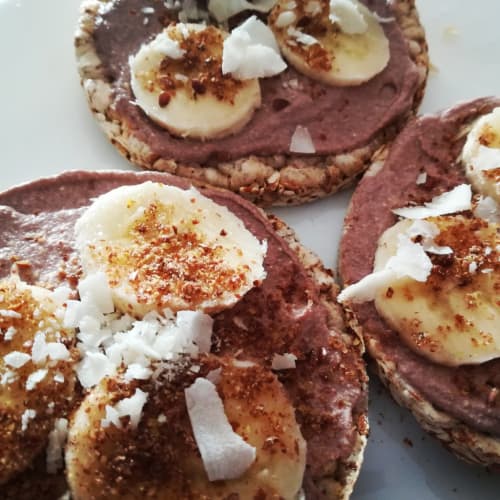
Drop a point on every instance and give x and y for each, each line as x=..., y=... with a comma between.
x=165, y=45
x=301, y=141
x=9, y=334
x=93, y=368
x=8, y=377
x=112, y=417
x=55, y=448
x=301, y=37
x=128, y=407
x=224, y=9
x=428, y=231
x=16, y=359
x=422, y=178
x=473, y=267
x=196, y=327
x=366, y=288
x=285, y=18
x=224, y=453
x=6, y=313
x=26, y=417
x=456, y=200
x=53, y=350
x=251, y=51
x=283, y=361
x=35, y=378
x=95, y=289
x=410, y=260
x=138, y=372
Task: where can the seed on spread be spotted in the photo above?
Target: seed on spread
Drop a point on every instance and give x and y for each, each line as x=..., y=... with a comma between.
x=164, y=99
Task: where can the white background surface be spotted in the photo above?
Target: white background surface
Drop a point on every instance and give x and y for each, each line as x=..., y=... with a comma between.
x=45, y=128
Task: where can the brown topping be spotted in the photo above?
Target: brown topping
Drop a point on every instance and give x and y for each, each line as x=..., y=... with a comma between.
x=200, y=66
x=316, y=25
x=489, y=137
x=473, y=241
x=493, y=174
x=170, y=262
x=163, y=99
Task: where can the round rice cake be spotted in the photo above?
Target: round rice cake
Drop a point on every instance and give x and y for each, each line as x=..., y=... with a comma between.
x=295, y=306
x=456, y=404
x=348, y=125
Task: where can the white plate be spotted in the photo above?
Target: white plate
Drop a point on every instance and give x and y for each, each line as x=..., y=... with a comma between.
x=45, y=128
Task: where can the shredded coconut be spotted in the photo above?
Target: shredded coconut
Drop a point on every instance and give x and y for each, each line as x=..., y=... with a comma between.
x=6, y=313
x=26, y=417
x=9, y=334
x=108, y=342
x=35, y=378
x=251, y=51
x=16, y=359
x=128, y=407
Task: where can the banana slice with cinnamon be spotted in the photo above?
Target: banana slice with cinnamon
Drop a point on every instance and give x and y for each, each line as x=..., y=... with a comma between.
x=164, y=247
x=481, y=155
x=36, y=372
x=453, y=316
x=158, y=446
x=338, y=42
x=178, y=82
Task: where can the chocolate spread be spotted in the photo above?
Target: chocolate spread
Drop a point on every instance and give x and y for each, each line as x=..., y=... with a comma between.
x=339, y=119
x=284, y=314
x=431, y=144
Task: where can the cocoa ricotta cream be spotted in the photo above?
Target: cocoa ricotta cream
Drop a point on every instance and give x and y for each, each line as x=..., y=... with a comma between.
x=284, y=314
x=339, y=119
x=430, y=144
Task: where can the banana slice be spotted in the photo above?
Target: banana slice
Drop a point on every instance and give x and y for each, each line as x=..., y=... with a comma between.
x=159, y=457
x=36, y=375
x=451, y=318
x=481, y=155
x=163, y=247
x=336, y=44
x=177, y=81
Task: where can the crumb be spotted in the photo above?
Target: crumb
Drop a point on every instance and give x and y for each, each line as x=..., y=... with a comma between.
x=408, y=442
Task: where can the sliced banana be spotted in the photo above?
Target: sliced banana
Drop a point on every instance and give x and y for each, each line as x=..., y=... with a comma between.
x=177, y=81
x=159, y=458
x=36, y=375
x=452, y=318
x=340, y=47
x=162, y=247
x=481, y=155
